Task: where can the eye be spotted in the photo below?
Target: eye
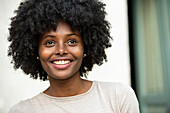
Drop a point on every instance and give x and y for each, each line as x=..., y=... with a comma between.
x=72, y=42
x=49, y=43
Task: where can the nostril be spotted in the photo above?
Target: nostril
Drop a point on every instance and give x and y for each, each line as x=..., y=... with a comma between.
x=61, y=53
x=58, y=54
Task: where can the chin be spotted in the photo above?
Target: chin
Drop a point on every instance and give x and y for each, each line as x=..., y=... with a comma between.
x=63, y=76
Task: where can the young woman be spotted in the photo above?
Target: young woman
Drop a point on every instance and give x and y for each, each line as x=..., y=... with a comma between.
x=60, y=41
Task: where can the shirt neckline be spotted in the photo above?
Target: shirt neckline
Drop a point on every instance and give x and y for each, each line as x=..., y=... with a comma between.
x=71, y=97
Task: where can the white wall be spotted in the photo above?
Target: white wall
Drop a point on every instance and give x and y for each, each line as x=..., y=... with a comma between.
x=15, y=86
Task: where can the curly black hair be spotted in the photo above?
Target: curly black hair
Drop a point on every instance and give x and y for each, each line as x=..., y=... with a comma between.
x=35, y=17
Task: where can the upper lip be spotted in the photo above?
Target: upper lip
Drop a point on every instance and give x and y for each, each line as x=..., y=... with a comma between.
x=61, y=58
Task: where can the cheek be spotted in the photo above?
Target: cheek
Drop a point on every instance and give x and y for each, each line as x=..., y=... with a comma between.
x=78, y=52
x=44, y=53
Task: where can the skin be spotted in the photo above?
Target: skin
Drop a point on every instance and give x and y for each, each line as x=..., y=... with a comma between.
x=63, y=44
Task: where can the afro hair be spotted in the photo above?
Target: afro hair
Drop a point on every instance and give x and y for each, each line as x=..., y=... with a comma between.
x=35, y=17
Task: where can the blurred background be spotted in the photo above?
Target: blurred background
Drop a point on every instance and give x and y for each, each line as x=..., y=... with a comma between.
x=149, y=37
x=138, y=56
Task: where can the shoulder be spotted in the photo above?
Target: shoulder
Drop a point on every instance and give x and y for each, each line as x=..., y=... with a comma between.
x=120, y=94
x=20, y=107
x=119, y=89
x=25, y=105
x=116, y=87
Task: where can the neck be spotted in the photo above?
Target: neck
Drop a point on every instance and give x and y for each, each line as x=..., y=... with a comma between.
x=67, y=87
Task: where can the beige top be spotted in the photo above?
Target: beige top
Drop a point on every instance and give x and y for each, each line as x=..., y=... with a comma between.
x=102, y=97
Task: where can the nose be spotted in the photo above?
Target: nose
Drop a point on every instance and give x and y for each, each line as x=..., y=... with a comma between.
x=61, y=49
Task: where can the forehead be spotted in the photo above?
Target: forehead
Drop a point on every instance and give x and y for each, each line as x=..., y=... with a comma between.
x=63, y=28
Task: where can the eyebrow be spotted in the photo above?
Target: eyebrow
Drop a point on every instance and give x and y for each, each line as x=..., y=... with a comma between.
x=54, y=36
x=48, y=36
x=72, y=34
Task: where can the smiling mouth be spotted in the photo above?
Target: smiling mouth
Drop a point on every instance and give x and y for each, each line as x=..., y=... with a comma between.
x=61, y=62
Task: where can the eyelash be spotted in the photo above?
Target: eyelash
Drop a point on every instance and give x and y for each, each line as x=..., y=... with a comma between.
x=49, y=43
x=71, y=42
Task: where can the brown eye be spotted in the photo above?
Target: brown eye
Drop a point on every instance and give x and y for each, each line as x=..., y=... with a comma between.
x=72, y=42
x=49, y=43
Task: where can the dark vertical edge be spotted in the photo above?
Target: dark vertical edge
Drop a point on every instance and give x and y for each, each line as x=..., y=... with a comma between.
x=132, y=44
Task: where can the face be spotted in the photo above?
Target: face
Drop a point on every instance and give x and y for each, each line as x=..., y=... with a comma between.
x=61, y=52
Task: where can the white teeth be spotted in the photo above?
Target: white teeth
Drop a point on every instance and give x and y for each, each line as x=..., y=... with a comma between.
x=61, y=62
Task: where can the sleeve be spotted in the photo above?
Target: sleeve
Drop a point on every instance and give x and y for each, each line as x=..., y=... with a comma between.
x=15, y=109
x=127, y=100
x=22, y=107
